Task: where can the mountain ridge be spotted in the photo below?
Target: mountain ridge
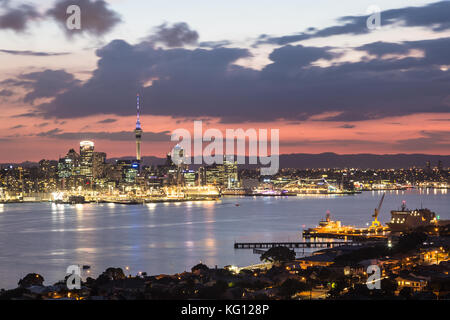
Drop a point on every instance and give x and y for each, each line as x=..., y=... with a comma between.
x=321, y=160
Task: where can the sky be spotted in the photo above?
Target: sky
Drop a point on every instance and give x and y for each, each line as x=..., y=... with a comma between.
x=311, y=69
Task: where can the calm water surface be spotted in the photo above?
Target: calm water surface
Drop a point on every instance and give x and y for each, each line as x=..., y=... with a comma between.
x=168, y=238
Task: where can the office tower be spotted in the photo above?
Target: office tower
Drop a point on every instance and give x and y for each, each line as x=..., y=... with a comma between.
x=98, y=165
x=69, y=165
x=47, y=169
x=65, y=168
x=201, y=176
x=231, y=172
x=439, y=166
x=86, y=159
x=428, y=167
x=69, y=169
x=189, y=178
x=129, y=170
x=215, y=175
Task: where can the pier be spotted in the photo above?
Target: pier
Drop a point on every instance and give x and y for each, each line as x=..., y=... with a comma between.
x=294, y=245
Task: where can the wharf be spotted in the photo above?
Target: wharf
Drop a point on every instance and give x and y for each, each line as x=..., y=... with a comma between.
x=305, y=244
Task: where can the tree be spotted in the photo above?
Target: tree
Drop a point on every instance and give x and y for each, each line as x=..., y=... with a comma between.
x=410, y=241
x=338, y=286
x=31, y=279
x=278, y=254
x=360, y=291
x=291, y=287
x=200, y=266
x=114, y=273
x=215, y=291
x=406, y=292
x=388, y=286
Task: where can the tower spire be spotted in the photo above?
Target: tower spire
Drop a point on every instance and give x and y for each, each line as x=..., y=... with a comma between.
x=138, y=120
x=138, y=130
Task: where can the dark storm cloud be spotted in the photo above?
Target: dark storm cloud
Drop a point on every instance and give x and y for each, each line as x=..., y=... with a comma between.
x=381, y=48
x=113, y=136
x=113, y=86
x=176, y=35
x=96, y=16
x=41, y=125
x=17, y=18
x=6, y=93
x=107, y=121
x=437, y=51
x=19, y=126
x=214, y=44
x=434, y=16
x=31, y=114
x=347, y=126
x=289, y=59
x=33, y=53
x=440, y=120
x=50, y=133
x=43, y=84
x=205, y=83
x=430, y=140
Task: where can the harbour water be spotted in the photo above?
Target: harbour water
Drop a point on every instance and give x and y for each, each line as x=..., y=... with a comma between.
x=172, y=237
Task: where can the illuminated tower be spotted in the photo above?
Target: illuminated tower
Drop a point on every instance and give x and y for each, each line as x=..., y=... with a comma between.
x=138, y=132
x=86, y=159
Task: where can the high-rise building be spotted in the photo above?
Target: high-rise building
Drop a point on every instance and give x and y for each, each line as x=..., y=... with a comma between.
x=75, y=157
x=69, y=169
x=65, y=168
x=439, y=166
x=428, y=167
x=87, y=159
x=189, y=178
x=48, y=169
x=129, y=170
x=201, y=176
x=231, y=172
x=98, y=164
x=138, y=132
x=215, y=175
x=224, y=175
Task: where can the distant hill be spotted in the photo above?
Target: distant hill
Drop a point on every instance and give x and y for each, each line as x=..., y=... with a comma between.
x=325, y=160
x=333, y=160
x=147, y=160
x=363, y=161
x=25, y=164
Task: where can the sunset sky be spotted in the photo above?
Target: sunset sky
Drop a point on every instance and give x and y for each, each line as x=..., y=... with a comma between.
x=311, y=69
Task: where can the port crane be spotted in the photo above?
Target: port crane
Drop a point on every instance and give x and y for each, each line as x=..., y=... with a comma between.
x=375, y=223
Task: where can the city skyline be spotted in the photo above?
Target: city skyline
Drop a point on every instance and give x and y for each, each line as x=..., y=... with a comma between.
x=325, y=81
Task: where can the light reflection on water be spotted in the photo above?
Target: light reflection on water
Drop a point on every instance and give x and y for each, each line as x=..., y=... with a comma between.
x=172, y=237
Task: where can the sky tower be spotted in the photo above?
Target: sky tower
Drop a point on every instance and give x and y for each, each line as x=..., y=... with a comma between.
x=138, y=131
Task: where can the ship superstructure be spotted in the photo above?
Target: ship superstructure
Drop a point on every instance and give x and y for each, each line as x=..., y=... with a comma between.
x=405, y=219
